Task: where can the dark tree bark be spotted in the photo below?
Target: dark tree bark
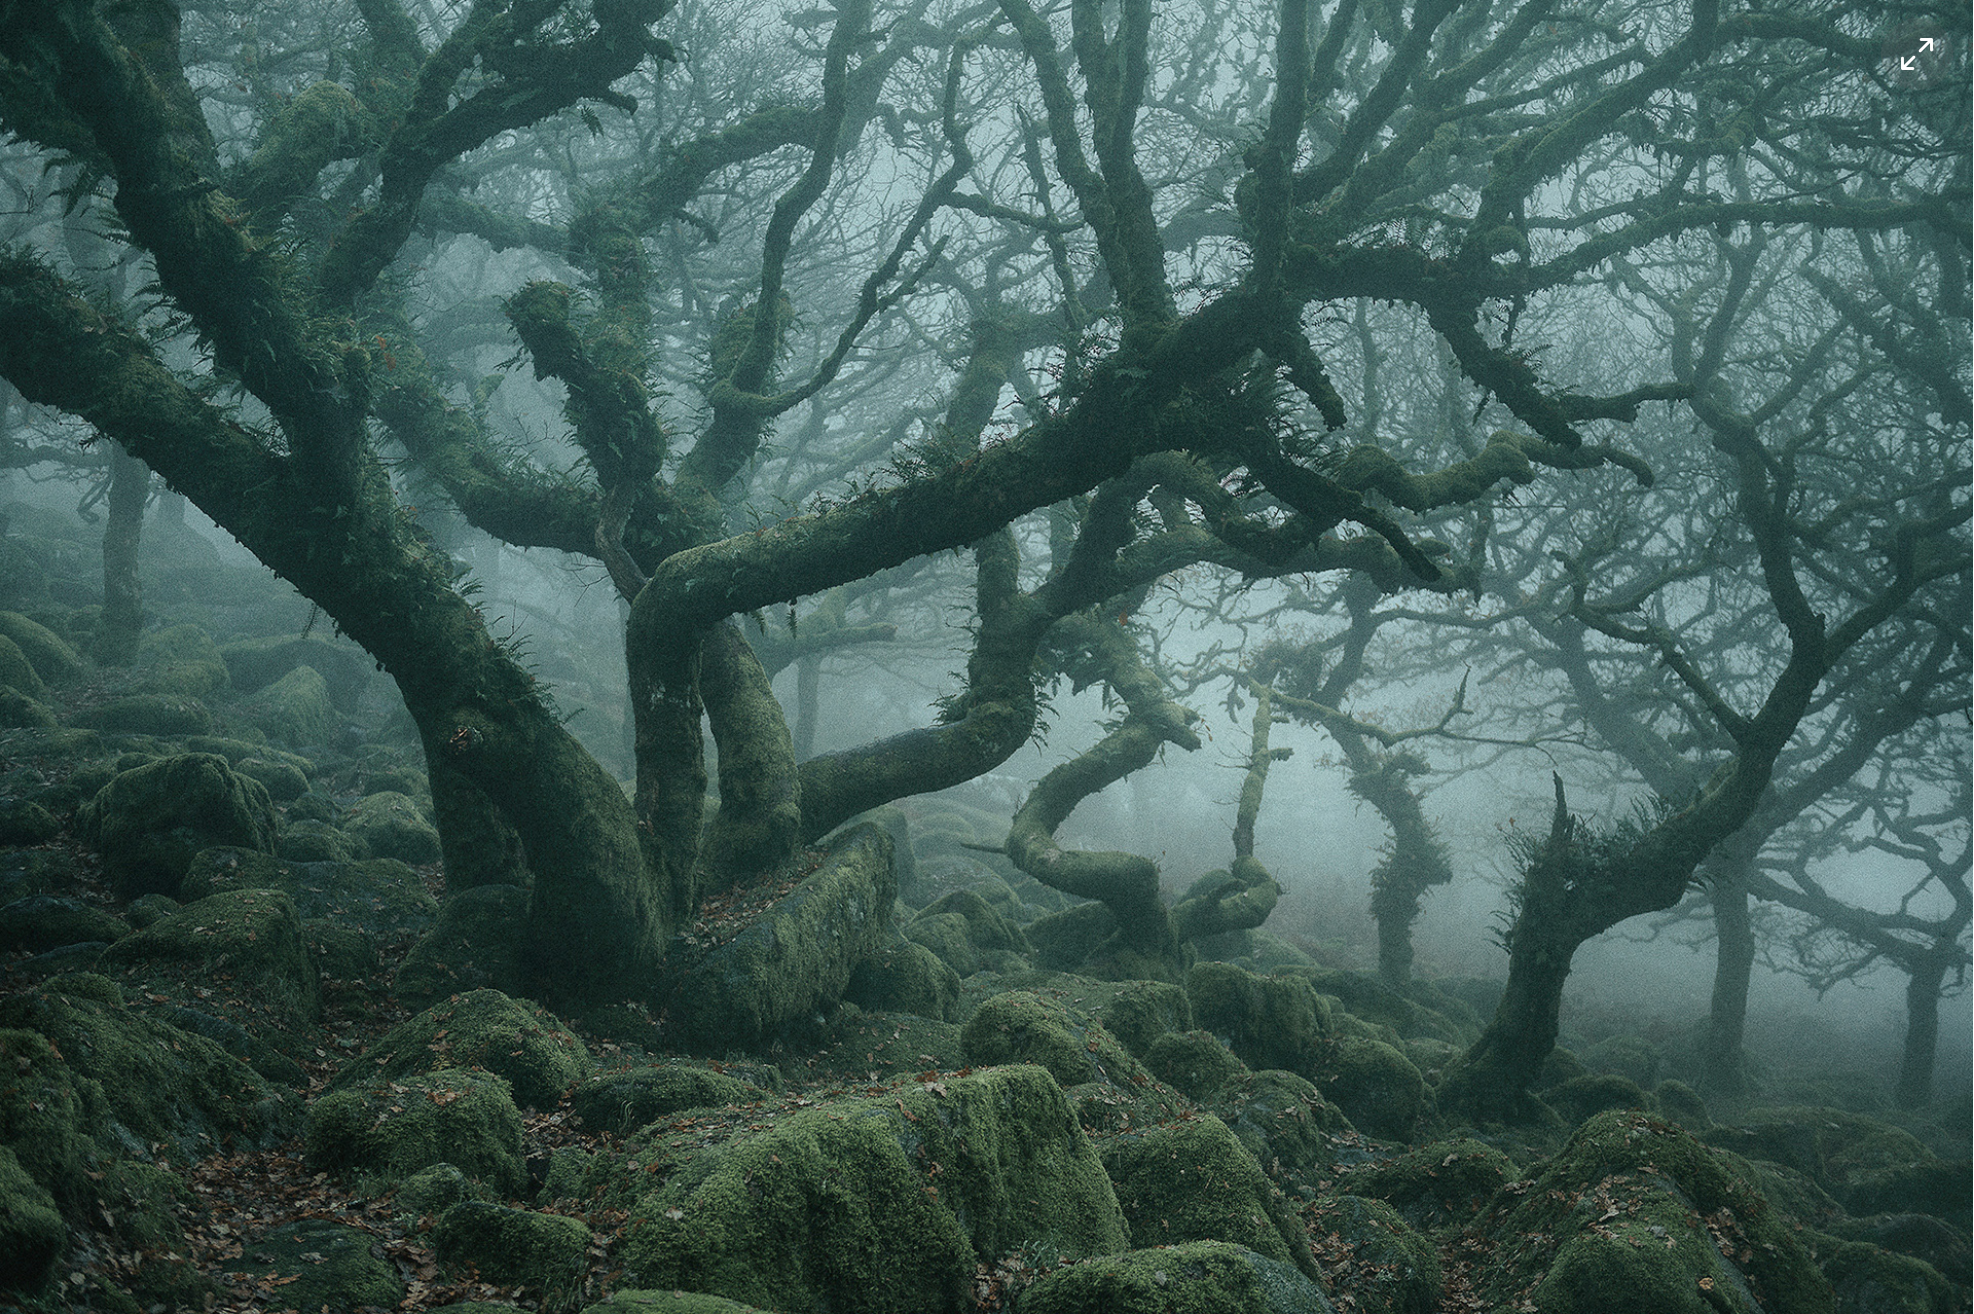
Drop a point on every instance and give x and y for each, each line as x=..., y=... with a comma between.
x=122, y=622
x=1723, y=1052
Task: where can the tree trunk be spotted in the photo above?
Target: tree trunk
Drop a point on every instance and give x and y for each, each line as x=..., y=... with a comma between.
x=1724, y=1061
x=1922, y=1030
x=122, y=622
x=1493, y=1080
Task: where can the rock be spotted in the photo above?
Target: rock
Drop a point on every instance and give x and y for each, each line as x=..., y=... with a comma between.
x=795, y=957
x=1269, y=1021
x=624, y=1101
x=1193, y=1063
x=880, y=1205
x=1435, y=1185
x=1142, y=1011
x=1193, y=1181
x=150, y=909
x=251, y=937
x=545, y=1253
x=254, y=664
x=150, y=714
x=1869, y=1280
x=44, y=1118
x=17, y=673
x=1921, y=1236
x=391, y=825
x=284, y=781
x=315, y=841
x=1365, y=1248
x=321, y=1264
x=295, y=709
x=396, y=1128
x=858, y=1046
x=1204, y=1277
x=342, y=953
x=32, y=1234
x=18, y=711
x=54, y=659
x=986, y=927
x=1285, y=1123
x=1675, y=1101
x=150, y=821
x=1632, y=1057
x=137, y=1082
x=944, y=935
x=486, y=1030
x=477, y=941
x=906, y=977
x=43, y=921
x=1377, y=1086
x=668, y=1302
x=429, y=1192
x=1635, y=1216
x=383, y=898
x=180, y=661
x=1580, y=1098
x=1023, y=1027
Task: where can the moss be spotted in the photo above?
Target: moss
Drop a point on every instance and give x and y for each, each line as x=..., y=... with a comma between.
x=1194, y=1181
x=429, y=1192
x=1285, y=1123
x=383, y=898
x=985, y=926
x=1365, y=1248
x=881, y=1204
x=180, y=661
x=1869, y=1280
x=1678, y=1102
x=391, y=825
x=906, y=977
x=1269, y=1021
x=1204, y=1277
x=478, y=940
x=137, y=1081
x=796, y=957
x=322, y=1264
x=625, y=1101
x=1582, y=1097
x=546, y=1253
x=861, y=1046
x=32, y=1234
x=1023, y=1027
x=1142, y=1011
x=668, y=1302
x=341, y=953
x=1636, y=1215
x=18, y=711
x=394, y=1129
x=253, y=937
x=54, y=659
x=1433, y=1185
x=1377, y=1086
x=294, y=709
x=1193, y=1063
x=150, y=821
x=42, y=1114
x=484, y=1030
x=944, y=935
x=284, y=781
x=17, y=673
x=1632, y=1057
x=42, y=921
x=313, y=841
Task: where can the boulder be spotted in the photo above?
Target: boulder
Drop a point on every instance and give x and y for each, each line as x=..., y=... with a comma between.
x=391, y=825
x=180, y=661
x=32, y=1234
x=1269, y=1021
x=478, y=940
x=295, y=709
x=1365, y=1248
x=1375, y=1085
x=18, y=673
x=906, y=977
x=241, y=952
x=159, y=714
x=484, y=1030
x=1435, y=1185
x=54, y=659
x=1193, y=1063
x=395, y=1128
x=792, y=959
x=318, y=1263
x=665, y=1302
x=148, y=822
x=1203, y=1277
x=1142, y=1011
x=624, y=1101
x=44, y=921
x=1285, y=1123
x=546, y=1254
x=880, y=1205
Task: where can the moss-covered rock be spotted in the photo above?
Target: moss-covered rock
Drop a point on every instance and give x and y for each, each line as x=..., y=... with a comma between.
x=381, y=897
x=253, y=938
x=1193, y=1063
x=883, y=1204
x=284, y=781
x=1580, y=1098
x=668, y=1302
x=1024, y=1027
x=1921, y=1236
x=44, y=1115
x=1869, y=1280
x=127, y=1080
x=1142, y=1011
x=148, y=822
x=795, y=957
x=1869, y=1165
x=1269, y=1021
x=294, y=710
x=944, y=935
x=1203, y=1277
x=1675, y=1101
x=161, y=714
x=32, y=1234
x=486, y=1030
x=394, y=1129
x=180, y=660
x=391, y=825
x=18, y=673
x=478, y=940
x=858, y=1046
x=906, y=977
x=253, y=664
x=1632, y=1057
x=1435, y=1185
x=54, y=658
x=1366, y=1249
x=1285, y=1123
x=986, y=927
x=44, y=921
x=1193, y=1181
x=541, y=1253
x=322, y=1264
x=429, y=1192
x=1377, y=1086
x=19, y=711
x=314, y=841
x=624, y=1101
x=1635, y=1216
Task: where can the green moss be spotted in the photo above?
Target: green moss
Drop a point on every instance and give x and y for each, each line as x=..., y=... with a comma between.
x=1869, y=1280
x=294, y=709
x=1194, y=1181
x=881, y=1204
x=32, y=1234
x=1269, y=1021
x=1632, y=1057
x=906, y=977
x=668, y=1302
x=392, y=825
x=944, y=935
x=18, y=711
x=180, y=661
x=1142, y=1011
x=1377, y=1086
x=1023, y=1027
x=322, y=1264
x=1678, y=1102
x=478, y=940
x=1365, y=1248
x=429, y=1192
x=1204, y=1277
x=985, y=926
x=1435, y=1184
x=284, y=781
x=1285, y=1123
x=1193, y=1063
x=625, y=1101
x=860, y=1046
x=394, y=1129
x=42, y=921
x=253, y=936
x=54, y=659
x=313, y=841
x=1582, y=1097
x=17, y=673
x=487, y=1030
x=150, y=821
x=43, y=1115
x=1635, y=1215
x=545, y=1253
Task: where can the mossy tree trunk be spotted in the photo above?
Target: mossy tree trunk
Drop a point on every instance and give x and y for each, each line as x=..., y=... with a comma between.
x=122, y=621
x=1723, y=1048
